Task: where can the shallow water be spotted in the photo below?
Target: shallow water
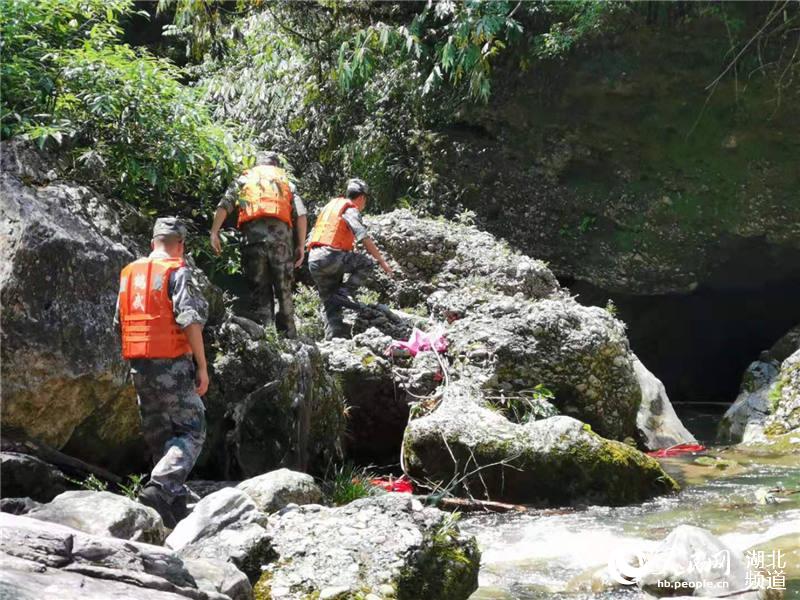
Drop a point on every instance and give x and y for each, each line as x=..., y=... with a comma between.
x=539, y=555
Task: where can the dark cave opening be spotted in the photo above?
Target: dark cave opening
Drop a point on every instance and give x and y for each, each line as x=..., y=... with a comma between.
x=699, y=344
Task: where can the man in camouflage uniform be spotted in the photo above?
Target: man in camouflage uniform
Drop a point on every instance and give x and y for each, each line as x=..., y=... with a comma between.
x=168, y=388
x=269, y=254
x=331, y=255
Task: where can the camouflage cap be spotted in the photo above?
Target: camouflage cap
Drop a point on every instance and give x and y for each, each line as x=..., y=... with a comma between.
x=169, y=227
x=356, y=187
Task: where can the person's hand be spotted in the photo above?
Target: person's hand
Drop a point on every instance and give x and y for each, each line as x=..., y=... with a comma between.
x=299, y=255
x=216, y=245
x=201, y=381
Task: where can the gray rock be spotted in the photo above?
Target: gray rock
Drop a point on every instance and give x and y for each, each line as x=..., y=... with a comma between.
x=658, y=425
x=368, y=546
x=785, y=417
x=219, y=576
x=28, y=476
x=227, y=526
x=63, y=249
x=556, y=460
x=18, y=506
x=689, y=555
x=274, y=490
x=104, y=514
x=47, y=560
x=744, y=419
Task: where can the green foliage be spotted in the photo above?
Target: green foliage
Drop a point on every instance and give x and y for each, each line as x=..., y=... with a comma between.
x=133, y=485
x=526, y=405
x=308, y=313
x=347, y=482
x=611, y=308
x=91, y=482
x=124, y=117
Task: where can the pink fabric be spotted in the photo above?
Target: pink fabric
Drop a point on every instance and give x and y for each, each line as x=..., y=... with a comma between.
x=419, y=341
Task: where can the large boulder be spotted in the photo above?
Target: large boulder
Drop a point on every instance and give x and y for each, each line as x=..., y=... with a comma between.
x=769, y=399
x=47, y=561
x=270, y=403
x=225, y=526
x=219, y=576
x=23, y=475
x=104, y=514
x=475, y=450
x=64, y=381
x=785, y=417
x=515, y=340
x=274, y=490
x=692, y=562
x=389, y=546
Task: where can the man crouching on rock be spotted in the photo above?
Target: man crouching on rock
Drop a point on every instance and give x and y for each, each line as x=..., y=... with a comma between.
x=162, y=312
x=331, y=255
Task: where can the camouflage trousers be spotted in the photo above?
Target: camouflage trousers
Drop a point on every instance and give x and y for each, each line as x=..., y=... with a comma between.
x=328, y=268
x=269, y=270
x=173, y=418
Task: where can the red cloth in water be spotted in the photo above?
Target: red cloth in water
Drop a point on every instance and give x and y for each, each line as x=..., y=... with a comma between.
x=676, y=450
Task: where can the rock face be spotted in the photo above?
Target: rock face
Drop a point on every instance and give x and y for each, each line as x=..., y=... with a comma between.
x=225, y=526
x=46, y=561
x=515, y=339
x=388, y=545
x=103, y=514
x=271, y=404
x=273, y=491
x=769, y=400
x=64, y=381
x=22, y=475
x=216, y=576
x=689, y=555
x=676, y=201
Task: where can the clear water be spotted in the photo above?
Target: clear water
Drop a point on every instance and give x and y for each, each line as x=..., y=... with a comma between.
x=552, y=554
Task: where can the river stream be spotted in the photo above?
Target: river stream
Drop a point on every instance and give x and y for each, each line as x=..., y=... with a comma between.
x=553, y=554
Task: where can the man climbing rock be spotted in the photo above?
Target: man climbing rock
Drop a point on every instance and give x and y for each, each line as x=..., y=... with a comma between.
x=269, y=208
x=331, y=255
x=162, y=312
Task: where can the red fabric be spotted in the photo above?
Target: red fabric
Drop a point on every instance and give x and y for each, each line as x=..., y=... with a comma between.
x=677, y=450
x=390, y=484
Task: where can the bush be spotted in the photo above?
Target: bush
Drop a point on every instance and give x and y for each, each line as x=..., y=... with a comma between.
x=123, y=116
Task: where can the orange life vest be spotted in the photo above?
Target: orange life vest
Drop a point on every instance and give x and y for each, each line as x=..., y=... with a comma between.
x=149, y=329
x=265, y=193
x=331, y=229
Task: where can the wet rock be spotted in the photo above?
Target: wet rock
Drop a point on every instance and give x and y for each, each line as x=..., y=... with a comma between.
x=387, y=546
x=40, y=558
x=217, y=576
x=557, y=460
x=226, y=526
x=103, y=514
x=274, y=490
x=24, y=475
x=657, y=424
x=691, y=556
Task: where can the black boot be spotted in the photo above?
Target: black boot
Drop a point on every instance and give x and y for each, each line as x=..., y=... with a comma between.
x=179, y=510
x=153, y=496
